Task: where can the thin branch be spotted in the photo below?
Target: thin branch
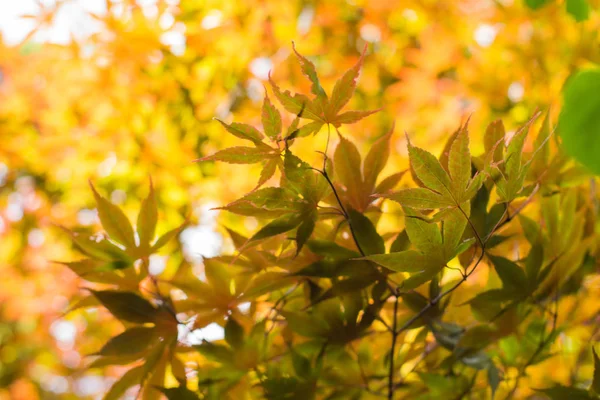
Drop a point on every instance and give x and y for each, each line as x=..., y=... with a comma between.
x=392, y=351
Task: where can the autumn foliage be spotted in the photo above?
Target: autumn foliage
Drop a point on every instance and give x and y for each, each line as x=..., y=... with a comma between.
x=381, y=232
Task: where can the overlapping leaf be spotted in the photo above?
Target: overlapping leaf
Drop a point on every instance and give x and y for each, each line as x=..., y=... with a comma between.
x=439, y=187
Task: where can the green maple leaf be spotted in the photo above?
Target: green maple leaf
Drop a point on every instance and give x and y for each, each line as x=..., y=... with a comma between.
x=434, y=246
x=507, y=164
x=440, y=187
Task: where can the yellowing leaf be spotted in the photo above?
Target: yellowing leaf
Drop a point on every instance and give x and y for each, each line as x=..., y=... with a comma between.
x=350, y=117
x=114, y=221
x=347, y=168
x=147, y=218
x=130, y=378
x=298, y=104
x=344, y=88
x=321, y=109
x=376, y=160
x=241, y=155
x=243, y=131
x=271, y=201
x=494, y=140
x=309, y=70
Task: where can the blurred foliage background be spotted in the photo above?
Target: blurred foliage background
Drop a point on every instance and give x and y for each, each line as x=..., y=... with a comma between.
x=119, y=90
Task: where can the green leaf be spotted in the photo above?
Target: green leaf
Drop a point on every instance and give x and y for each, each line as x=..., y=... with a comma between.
x=100, y=250
x=98, y=271
x=596, y=380
x=510, y=184
x=133, y=341
x=560, y=392
x=306, y=324
x=114, y=221
x=130, y=378
x=234, y=333
x=243, y=131
x=147, y=218
x=305, y=230
x=404, y=261
x=493, y=377
x=418, y=279
x=301, y=364
x=453, y=227
x=166, y=237
x=330, y=250
x=127, y=306
x=366, y=234
x=425, y=236
x=179, y=393
x=401, y=243
x=271, y=119
x=280, y=225
x=535, y=4
x=512, y=276
x=428, y=170
x=579, y=9
x=459, y=163
x=477, y=337
x=270, y=201
x=419, y=198
x=268, y=170
x=579, y=120
x=533, y=265
x=242, y=155
x=216, y=352
x=306, y=130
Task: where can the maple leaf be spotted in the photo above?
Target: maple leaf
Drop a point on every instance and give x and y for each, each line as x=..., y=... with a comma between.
x=513, y=171
x=268, y=155
x=358, y=177
x=323, y=109
x=440, y=187
x=435, y=247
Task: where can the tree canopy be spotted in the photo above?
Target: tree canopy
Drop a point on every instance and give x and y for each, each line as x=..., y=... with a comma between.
x=302, y=200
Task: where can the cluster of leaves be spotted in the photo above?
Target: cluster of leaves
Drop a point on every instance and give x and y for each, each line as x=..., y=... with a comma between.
x=578, y=9
x=338, y=307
